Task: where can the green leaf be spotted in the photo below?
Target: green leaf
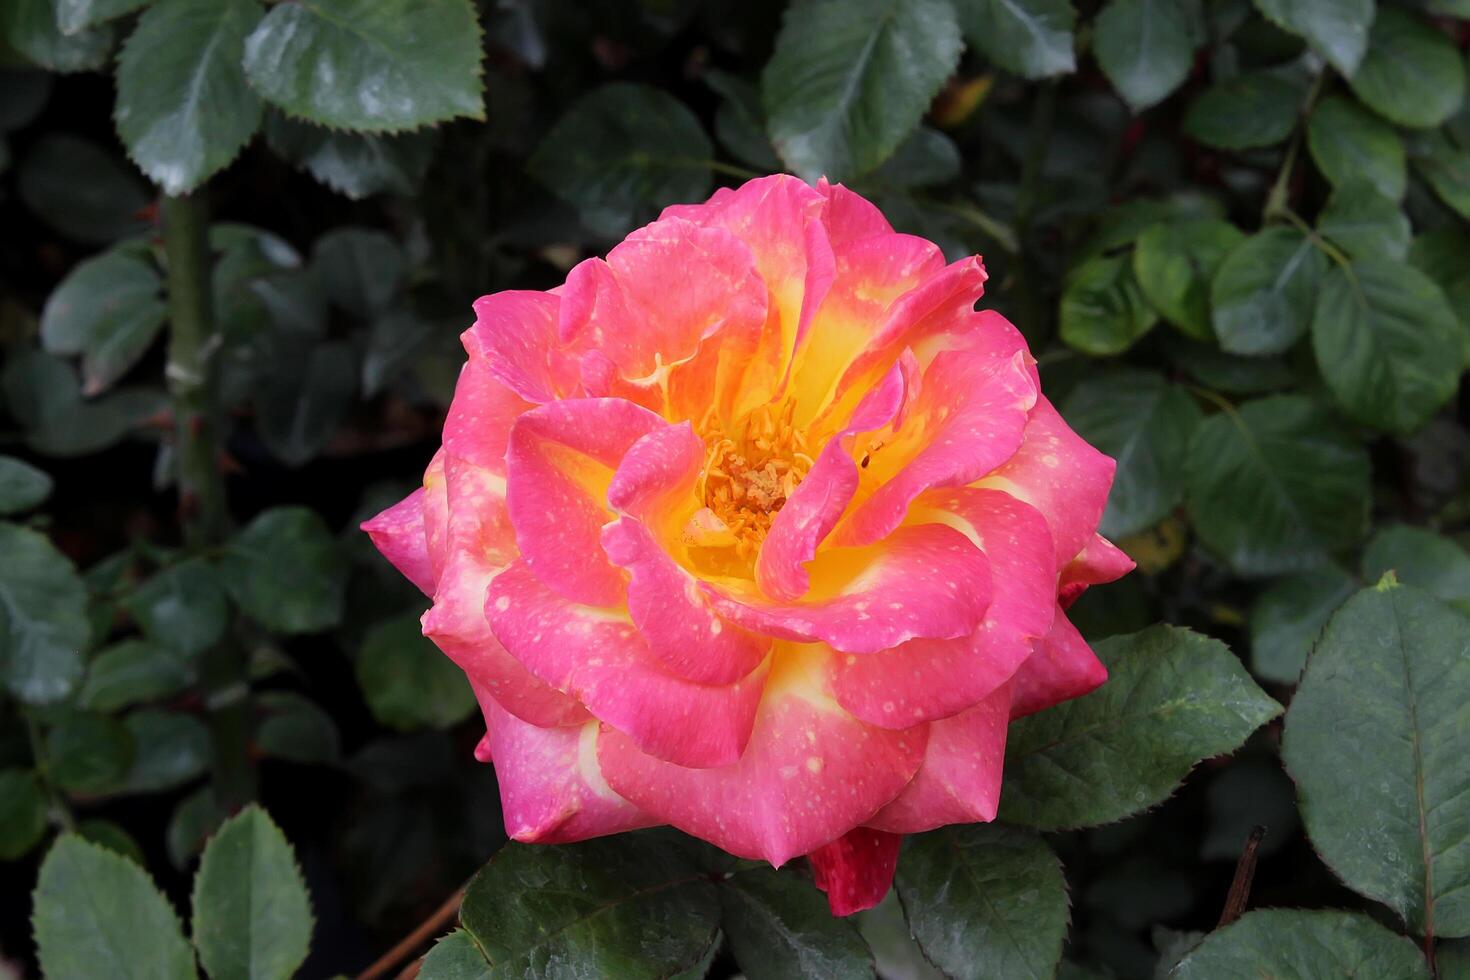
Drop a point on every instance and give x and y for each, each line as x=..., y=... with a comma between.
x=1288, y=617
x=780, y=926
x=77, y=15
x=194, y=819
x=456, y=957
x=1263, y=292
x=1145, y=47
x=1229, y=373
x=1453, y=960
x=1172, y=699
x=1412, y=73
x=1030, y=38
x=109, y=310
x=1336, y=29
x=851, y=78
x=1380, y=333
x=22, y=812
x=984, y=901
x=1103, y=311
x=172, y=749
x=46, y=399
x=1375, y=742
x=22, y=486
x=1283, y=943
x=252, y=915
x=43, y=617
x=88, y=753
x=1175, y=262
x=1257, y=108
x=360, y=268
x=107, y=834
x=285, y=570
x=371, y=65
x=1349, y=143
x=1364, y=223
x=740, y=121
x=182, y=607
x=407, y=682
x=30, y=27
x=630, y=905
x=357, y=165
x=131, y=672
x=183, y=108
x=1440, y=254
x=1447, y=168
x=81, y=190
x=1423, y=559
x=926, y=157
x=303, y=397
x=296, y=730
x=1277, y=486
x=622, y=152
x=1145, y=424
x=98, y=914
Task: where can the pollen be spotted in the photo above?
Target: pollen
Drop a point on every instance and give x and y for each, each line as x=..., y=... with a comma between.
x=749, y=473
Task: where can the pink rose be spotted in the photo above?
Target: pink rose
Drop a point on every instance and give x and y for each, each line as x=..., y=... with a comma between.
x=758, y=529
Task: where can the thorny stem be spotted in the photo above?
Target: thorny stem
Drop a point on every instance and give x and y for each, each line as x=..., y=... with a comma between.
x=1240, y=887
x=425, y=931
x=192, y=374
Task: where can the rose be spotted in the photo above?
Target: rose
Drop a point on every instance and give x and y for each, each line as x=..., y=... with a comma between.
x=758, y=529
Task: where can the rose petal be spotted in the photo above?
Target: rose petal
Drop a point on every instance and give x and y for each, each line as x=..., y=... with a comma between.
x=551, y=789
x=559, y=463
x=598, y=657
x=856, y=870
x=1060, y=475
x=924, y=680
x=480, y=417
x=926, y=580
x=959, y=781
x=810, y=773
x=515, y=335
x=1062, y=667
x=850, y=216
x=1099, y=563
x=398, y=533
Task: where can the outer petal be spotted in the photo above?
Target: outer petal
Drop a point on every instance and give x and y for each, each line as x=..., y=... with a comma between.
x=551, y=789
x=926, y=580
x=924, y=680
x=1060, y=475
x=959, y=781
x=969, y=419
x=598, y=657
x=515, y=335
x=398, y=533
x=1099, y=563
x=850, y=216
x=856, y=870
x=478, y=543
x=559, y=463
x=1062, y=667
x=480, y=417
x=810, y=773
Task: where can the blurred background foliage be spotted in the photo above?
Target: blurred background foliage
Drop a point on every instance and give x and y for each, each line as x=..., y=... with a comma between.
x=241, y=241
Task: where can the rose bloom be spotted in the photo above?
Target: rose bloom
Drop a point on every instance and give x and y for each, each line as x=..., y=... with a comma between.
x=756, y=528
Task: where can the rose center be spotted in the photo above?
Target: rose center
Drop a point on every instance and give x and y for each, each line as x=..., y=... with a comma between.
x=749, y=473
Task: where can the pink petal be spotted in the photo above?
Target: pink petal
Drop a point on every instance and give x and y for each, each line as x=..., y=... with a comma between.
x=1060, y=475
x=926, y=580
x=1099, y=563
x=515, y=335
x=959, y=781
x=656, y=471
x=674, y=617
x=598, y=657
x=480, y=417
x=924, y=680
x=969, y=418
x=850, y=216
x=398, y=533
x=1062, y=667
x=819, y=501
x=856, y=870
x=436, y=513
x=551, y=789
x=559, y=461
x=810, y=773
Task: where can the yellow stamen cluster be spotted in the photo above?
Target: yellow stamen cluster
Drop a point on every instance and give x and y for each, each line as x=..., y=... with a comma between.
x=749, y=474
